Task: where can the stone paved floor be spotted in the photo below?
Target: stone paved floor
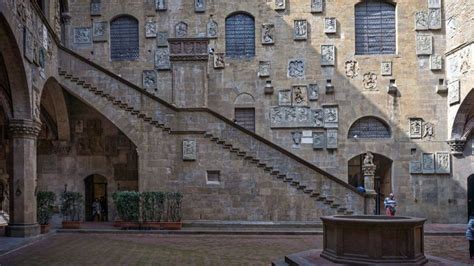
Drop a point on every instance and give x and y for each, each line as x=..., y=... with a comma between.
x=121, y=249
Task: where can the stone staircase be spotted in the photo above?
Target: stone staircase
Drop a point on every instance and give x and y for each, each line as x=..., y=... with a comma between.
x=277, y=162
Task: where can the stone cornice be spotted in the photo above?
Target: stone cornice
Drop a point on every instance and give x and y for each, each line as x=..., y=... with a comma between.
x=23, y=128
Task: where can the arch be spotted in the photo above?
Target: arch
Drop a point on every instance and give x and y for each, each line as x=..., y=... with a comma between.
x=240, y=35
x=95, y=187
x=124, y=38
x=244, y=99
x=369, y=127
x=375, y=27
x=53, y=93
x=463, y=122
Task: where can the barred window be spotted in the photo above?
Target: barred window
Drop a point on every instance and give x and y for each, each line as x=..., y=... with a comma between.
x=375, y=28
x=369, y=128
x=240, y=36
x=124, y=38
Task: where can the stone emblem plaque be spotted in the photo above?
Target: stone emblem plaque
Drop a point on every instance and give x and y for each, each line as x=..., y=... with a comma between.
x=99, y=31
x=199, y=6
x=149, y=80
x=162, y=59
x=41, y=57
x=421, y=20
x=352, y=68
x=454, y=92
x=443, y=163
x=313, y=92
x=280, y=4
x=316, y=6
x=189, y=150
x=181, y=30
x=328, y=55
x=296, y=69
x=284, y=98
x=319, y=140
x=295, y=117
x=264, y=69
x=300, y=95
x=415, y=167
x=436, y=62
x=317, y=116
x=428, y=163
x=150, y=29
x=296, y=136
x=95, y=8
x=268, y=33
x=212, y=29
x=82, y=35
x=415, y=128
x=434, y=3
x=219, y=60
x=28, y=45
x=160, y=5
x=331, y=116
x=370, y=81
x=331, y=139
x=300, y=31
x=434, y=19
x=162, y=39
x=386, y=68
x=424, y=45
x=330, y=25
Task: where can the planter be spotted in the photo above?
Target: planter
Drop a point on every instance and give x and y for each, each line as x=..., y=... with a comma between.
x=151, y=225
x=117, y=223
x=171, y=225
x=130, y=225
x=71, y=224
x=44, y=228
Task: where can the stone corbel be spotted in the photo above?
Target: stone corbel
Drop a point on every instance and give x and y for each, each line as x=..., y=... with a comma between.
x=24, y=128
x=457, y=146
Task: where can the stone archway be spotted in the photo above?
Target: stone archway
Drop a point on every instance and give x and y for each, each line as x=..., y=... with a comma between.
x=463, y=125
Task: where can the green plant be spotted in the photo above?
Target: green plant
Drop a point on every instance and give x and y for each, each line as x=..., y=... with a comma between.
x=45, y=204
x=173, y=206
x=152, y=206
x=71, y=206
x=128, y=205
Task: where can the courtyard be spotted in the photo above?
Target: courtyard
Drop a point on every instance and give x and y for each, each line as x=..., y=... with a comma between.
x=147, y=249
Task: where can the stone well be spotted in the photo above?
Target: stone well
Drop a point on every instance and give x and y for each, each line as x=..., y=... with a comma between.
x=373, y=239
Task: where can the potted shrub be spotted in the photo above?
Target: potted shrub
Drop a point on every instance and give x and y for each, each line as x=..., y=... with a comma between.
x=172, y=220
x=45, y=204
x=152, y=209
x=128, y=208
x=71, y=209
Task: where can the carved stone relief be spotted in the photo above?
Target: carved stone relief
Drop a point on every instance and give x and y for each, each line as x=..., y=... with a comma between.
x=292, y=117
x=280, y=4
x=189, y=150
x=428, y=130
x=451, y=27
x=434, y=18
x=212, y=28
x=41, y=57
x=370, y=81
x=330, y=25
x=296, y=135
x=316, y=6
x=415, y=167
x=424, y=45
x=181, y=30
x=328, y=55
x=219, y=61
x=331, y=116
x=421, y=20
x=313, y=92
x=386, y=68
x=96, y=8
x=331, y=139
x=99, y=31
x=284, y=98
x=434, y=3
x=37, y=104
x=296, y=69
x=300, y=95
x=454, y=92
x=150, y=29
x=28, y=45
x=149, y=80
x=300, y=31
x=443, y=163
x=428, y=163
x=436, y=62
x=317, y=116
x=352, y=68
x=465, y=60
x=162, y=59
x=319, y=140
x=162, y=39
x=160, y=5
x=268, y=33
x=415, y=128
x=199, y=6
x=264, y=69
x=82, y=35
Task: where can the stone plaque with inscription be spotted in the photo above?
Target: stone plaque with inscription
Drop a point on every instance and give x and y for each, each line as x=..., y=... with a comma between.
x=454, y=92
x=319, y=140
x=436, y=62
x=292, y=117
x=199, y=6
x=284, y=98
x=421, y=20
x=415, y=126
x=428, y=163
x=300, y=31
x=317, y=116
x=280, y=4
x=99, y=31
x=331, y=139
x=82, y=35
x=296, y=69
x=331, y=116
x=162, y=39
x=149, y=80
x=330, y=25
x=268, y=33
x=316, y=6
x=434, y=19
x=264, y=69
x=313, y=92
x=162, y=59
x=300, y=95
x=386, y=68
x=424, y=44
x=415, y=167
x=328, y=55
x=443, y=163
x=189, y=150
x=150, y=29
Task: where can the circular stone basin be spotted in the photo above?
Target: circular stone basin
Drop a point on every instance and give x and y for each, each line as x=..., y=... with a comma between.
x=368, y=239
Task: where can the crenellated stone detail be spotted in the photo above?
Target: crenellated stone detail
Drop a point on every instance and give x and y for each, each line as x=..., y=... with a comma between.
x=23, y=128
x=457, y=146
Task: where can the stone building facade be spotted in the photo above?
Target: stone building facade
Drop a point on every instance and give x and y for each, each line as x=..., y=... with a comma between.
x=255, y=110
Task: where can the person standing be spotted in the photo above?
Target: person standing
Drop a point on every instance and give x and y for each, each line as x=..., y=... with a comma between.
x=470, y=236
x=390, y=205
x=96, y=210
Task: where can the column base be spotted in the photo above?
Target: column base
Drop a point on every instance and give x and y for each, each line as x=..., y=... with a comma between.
x=22, y=230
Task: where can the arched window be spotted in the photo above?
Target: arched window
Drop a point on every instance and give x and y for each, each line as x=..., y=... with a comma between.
x=375, y=28
x=369, y=128
x=240, y=36
x=124, y=38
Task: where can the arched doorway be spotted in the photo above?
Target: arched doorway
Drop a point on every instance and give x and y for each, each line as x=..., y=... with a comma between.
x=383, y=174
x=470, y=196
x=96, y=189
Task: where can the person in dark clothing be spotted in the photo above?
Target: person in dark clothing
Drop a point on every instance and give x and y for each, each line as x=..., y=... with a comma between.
x=470, y=236
x=103, y=207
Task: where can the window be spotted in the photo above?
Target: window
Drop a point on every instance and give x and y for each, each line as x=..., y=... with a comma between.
x=245, y=117
x=213, y=177
x=375, y=28
x=240, y=36
x=124, y=38
x=369, y=128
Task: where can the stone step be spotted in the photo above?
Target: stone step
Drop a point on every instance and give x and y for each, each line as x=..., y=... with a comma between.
x=207, y=135
x=307, y=190
x=281, y=176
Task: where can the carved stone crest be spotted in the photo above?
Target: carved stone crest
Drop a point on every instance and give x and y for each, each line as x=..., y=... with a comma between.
x=415, y=167
x=330, y=25
x=82, y=35
x=300, y=31
x=428, y=130
x=199, y=6
x=96, y=8
x=416, y=125
x=317, y=116
x=370, y=81
x=434, y=3
x=386, y=68
x=454, y=92
x=219, y=60
x=316, y=6
x=421, y=20
x=280, y=4
x=443, y=163
x=424, y=45
x=296, y=69
x=162, y=59
x=160, y=5
x=268, y=32
x=331, y=139
x=212, y=28
x=99, y=31
x=181, y=30
x=28, y=45
x=352, y=68
x=149, y=80
x=284, y=98
x=300, y=95
x=189, y=150
x=264, y=69
x=434, y=18
x=331, y=116
x=319, y=140
x=162, y=39
x=428, y=163
x=313, y=92
x=436, y=62
x=296, y=135
x=150, y=29
x=328, y=55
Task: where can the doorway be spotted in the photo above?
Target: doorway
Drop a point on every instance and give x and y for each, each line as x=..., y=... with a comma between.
x=470, y=196
x=96, y=188
x=245, y=117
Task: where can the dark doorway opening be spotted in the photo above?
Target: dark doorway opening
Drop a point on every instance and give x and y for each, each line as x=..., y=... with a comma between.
x=470, y=196
x=245, y=117
x=96, y=188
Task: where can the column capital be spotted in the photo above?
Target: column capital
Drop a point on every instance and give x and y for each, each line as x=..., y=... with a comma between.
x=24, y=128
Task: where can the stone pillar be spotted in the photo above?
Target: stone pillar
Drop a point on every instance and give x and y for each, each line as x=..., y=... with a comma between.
x=368, y=169
x=23, y=134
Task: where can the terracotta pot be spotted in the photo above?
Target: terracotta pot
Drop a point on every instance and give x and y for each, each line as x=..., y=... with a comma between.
x=171, y=225
x=151, y=225
x=44, y=228
x=71, y=224
x=130, y=225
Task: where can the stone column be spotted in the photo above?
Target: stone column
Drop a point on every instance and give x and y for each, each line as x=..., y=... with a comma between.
x=23, y=135
x=368, y=169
